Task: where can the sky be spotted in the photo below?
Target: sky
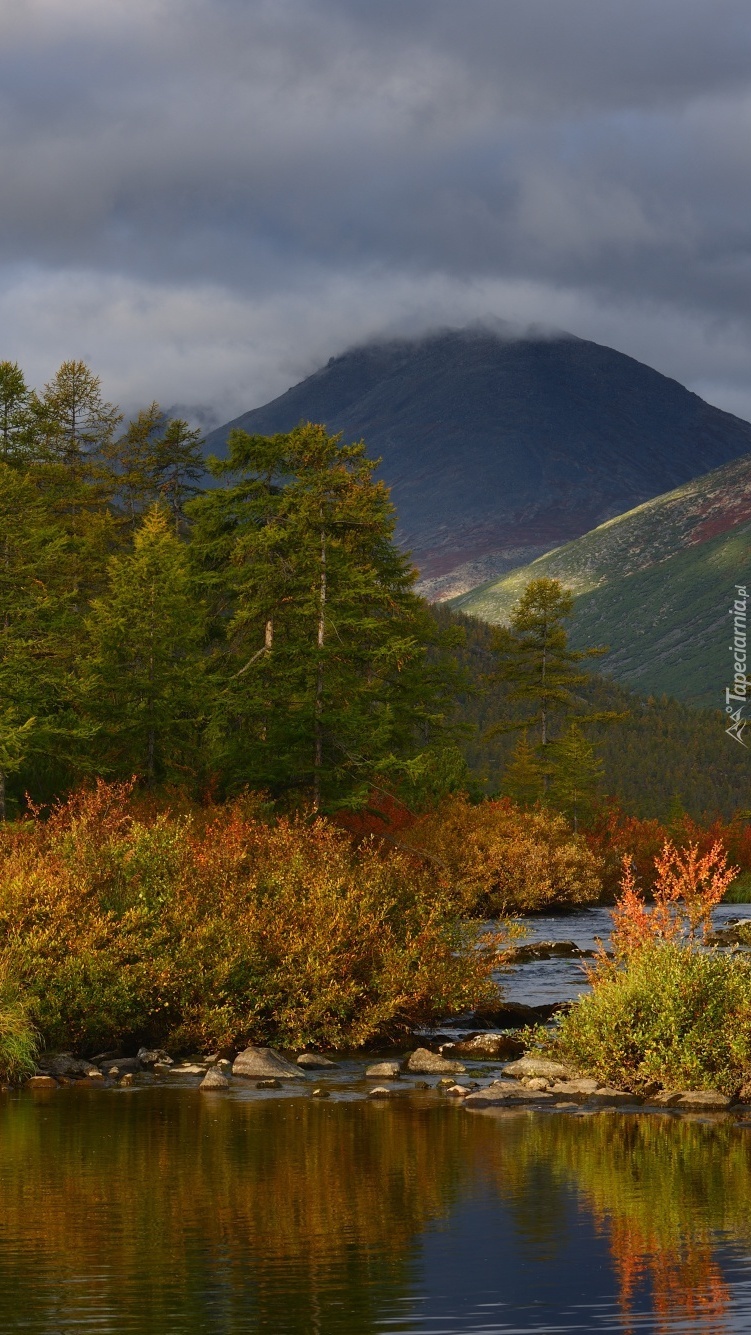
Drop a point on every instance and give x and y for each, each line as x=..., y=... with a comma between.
x=207, y=199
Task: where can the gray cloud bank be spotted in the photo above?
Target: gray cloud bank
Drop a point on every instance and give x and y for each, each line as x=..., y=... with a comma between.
x=205, y=198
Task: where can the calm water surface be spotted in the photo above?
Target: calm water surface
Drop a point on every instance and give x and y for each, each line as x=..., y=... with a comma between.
x=171, y=1212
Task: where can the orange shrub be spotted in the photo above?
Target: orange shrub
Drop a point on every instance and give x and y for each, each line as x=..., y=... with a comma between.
x=129, y=925
x=503, y=859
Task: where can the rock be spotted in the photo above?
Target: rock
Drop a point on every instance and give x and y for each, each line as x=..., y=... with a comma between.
x=126, y=1079
x=703, y=1100
x=381, y=1092
x=313, y=1061
x=261, y=1063
x=95, y=1075
x=383, y=1071
x=190, y=1068
x=514, y=1015
x=607, y=1096
x=485, y=1047
x=547, y=950
x=149, y=1057
x=424, y=1062
x=65, y=1064
x=224, y=1066
x=665, y=1098
x=504, y=1092
x=104, y=1057
x=445, y=1081
x=535, y=1082
x=321, y=1094
x=572, y=1089
x=41, y=1082
x=273, y=1083
x=120, y=1065
x=539, y=1066
x=161, y=1068
x=214, y=1079
x=457, y=1092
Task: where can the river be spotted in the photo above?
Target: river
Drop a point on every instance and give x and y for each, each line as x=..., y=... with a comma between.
x=169, y=1211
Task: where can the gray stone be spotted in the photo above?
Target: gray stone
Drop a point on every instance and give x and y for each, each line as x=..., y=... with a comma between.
x=190, y=1068
x=381, y=1092
x=574, y=1089
x=540, y=1066
x=261, y=1063
x=504, y=1093
x=214, y=1079
x=313, y=1061
x=424, y=1062
x=703, y=1100
x=150, y=1056
x=64, y=1063
x=120, y=1065
x=383, y=1071
x=457, y=1092
x=485, y=1047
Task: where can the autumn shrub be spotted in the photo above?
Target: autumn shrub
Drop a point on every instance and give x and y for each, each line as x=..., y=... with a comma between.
x=665, y=1008
x=614, y=834
x=503, y=859
x=214, y=928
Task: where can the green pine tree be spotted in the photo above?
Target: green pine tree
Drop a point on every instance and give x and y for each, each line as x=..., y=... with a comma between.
x=575, y=773
x=142, y=682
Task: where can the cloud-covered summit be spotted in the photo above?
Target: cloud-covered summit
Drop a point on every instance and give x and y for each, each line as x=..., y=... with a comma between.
x=207, y=198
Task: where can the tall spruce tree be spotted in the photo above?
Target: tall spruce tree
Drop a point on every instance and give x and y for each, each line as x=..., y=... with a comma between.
x=142, y=680
x=16, y=421
x=328, y=682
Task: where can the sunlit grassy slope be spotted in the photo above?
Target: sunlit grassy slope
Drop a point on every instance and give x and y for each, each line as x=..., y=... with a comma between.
x=654, y=585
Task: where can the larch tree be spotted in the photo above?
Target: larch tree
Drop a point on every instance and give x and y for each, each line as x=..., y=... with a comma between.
x=324, y=649
x=142, y=681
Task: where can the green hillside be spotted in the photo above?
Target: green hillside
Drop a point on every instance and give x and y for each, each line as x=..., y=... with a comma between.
x=654, y=585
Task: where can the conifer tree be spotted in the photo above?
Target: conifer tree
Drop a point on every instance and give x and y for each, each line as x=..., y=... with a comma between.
x=142, y=682
x=523, y=775
x=575, y=773
x=179, y=466
x=75, y=419
x=132, y=458
x=540, y=670
x=15, y=415
x=329, y=685
x=39, y=620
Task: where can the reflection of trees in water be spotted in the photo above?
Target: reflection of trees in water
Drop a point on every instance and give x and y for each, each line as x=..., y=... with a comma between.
x=663, y=1189
x=193, y=1213
x=288, y=1215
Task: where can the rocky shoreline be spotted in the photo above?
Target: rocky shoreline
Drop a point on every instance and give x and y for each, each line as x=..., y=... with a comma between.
x=484, y=1072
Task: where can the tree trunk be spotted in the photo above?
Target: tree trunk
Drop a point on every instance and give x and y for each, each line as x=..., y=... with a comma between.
x=318, y=761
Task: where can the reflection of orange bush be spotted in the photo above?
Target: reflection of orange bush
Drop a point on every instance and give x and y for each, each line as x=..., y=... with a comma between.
x=506, y=859
x=220, y=926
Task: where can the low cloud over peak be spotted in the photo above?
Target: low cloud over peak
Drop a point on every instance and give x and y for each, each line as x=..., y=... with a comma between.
x=209, y=198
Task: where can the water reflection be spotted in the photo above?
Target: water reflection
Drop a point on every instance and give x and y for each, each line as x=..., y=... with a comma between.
x=169, y=1211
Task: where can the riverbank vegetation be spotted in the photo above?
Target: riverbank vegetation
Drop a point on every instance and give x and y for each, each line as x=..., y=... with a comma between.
x=251, y=786
x=665, y=1011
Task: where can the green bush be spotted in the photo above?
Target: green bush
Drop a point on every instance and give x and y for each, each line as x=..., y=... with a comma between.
x=669, y=1014
x=18, y=1038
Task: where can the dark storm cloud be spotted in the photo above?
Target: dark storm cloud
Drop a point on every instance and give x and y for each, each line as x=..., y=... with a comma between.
x=245, y=187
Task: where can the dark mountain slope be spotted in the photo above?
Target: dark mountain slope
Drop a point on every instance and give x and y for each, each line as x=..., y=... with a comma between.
x=497, y=449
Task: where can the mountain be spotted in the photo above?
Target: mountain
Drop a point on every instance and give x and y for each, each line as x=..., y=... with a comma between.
x=498, y=448
x=655, y=585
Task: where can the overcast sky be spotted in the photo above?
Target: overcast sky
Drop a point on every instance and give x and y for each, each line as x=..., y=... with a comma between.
x=206, y=199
